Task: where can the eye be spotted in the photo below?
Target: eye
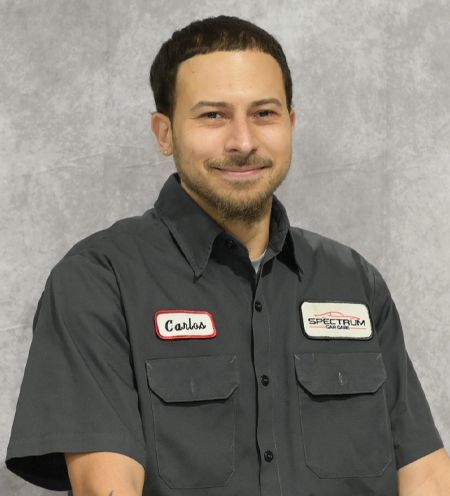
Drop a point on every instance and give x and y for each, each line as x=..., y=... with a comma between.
x=210, y=113
x=269, y=111
x=213, y=113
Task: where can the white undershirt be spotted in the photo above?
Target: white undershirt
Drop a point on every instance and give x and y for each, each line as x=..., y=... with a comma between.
x=256, y=262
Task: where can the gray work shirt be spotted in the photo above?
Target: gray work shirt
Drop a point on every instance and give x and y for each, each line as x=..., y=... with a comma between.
x=157, y=339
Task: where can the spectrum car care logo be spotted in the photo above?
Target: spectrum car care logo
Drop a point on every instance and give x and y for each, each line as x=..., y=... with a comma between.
x=335, y=320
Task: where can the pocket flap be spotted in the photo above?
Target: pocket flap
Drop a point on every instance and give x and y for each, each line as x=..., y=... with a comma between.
x=193, y=378
x=340, y=373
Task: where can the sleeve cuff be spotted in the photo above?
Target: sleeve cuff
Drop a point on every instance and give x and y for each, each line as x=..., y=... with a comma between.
x=40, y=461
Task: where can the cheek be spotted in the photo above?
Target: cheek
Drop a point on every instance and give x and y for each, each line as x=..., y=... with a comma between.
x=278, y=151
x=203, y=143
x=275, y=137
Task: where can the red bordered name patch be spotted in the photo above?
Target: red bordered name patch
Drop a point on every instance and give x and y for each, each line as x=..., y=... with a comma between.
x=184, y=324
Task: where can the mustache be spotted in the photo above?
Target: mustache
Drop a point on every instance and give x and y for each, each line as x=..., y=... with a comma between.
x=240, y=161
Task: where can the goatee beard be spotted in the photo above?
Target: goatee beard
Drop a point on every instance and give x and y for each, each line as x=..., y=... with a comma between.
x=227, y=210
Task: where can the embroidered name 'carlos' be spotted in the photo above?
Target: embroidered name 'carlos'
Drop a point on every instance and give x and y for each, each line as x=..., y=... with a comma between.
x=184, y=324
x=181, y=326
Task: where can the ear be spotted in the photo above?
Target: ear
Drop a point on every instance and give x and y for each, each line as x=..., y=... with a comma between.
x=293, y=117
x=162, y=129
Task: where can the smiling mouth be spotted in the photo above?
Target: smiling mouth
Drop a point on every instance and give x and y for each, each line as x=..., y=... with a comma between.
x=242, y=172
x=243, y=168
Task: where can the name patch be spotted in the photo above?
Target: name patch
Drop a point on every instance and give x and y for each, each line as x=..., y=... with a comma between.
x=184, y=324
x=335, y=320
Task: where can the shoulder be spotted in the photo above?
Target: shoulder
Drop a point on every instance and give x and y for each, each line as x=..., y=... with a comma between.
x=326, y=258
x=90, y=271
x=116, y=242
x=328, y=250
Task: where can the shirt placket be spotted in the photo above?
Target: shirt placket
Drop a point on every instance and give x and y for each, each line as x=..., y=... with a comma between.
x=269, y=473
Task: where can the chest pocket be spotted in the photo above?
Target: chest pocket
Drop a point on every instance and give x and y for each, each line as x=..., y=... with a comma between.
x=194, y=402
x=343, y=411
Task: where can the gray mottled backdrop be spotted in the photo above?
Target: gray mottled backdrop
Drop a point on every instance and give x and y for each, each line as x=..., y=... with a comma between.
x=370, y=164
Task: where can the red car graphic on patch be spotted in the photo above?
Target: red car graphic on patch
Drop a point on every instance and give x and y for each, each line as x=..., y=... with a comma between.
x=339, y=315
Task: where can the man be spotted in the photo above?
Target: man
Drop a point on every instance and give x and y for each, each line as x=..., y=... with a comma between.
x=209, y=346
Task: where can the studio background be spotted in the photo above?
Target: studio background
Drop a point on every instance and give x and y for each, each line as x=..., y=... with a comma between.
x=370, y=165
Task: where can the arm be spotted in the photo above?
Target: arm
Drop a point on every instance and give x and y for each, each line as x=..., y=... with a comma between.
x=427, y=476
x=104, y=474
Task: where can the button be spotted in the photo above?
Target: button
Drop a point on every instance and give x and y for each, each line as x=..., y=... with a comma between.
x=268, y=456
x=264, y=380
x=229, y=243
x=258, y=305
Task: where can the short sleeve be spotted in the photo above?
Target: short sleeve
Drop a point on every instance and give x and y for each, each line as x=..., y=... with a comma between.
x=413, y=429
x=78, y=392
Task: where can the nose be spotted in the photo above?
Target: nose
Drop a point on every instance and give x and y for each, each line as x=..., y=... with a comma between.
x=241, y=137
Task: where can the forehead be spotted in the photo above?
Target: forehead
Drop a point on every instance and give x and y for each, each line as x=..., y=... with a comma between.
x=229, y=73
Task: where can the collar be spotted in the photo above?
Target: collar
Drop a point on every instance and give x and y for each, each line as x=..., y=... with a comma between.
x=195, y=231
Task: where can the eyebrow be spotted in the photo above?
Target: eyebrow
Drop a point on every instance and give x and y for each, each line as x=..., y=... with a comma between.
x=256, y=103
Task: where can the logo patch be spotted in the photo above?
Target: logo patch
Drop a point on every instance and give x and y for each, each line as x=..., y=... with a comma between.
x=184, y=324
x=335, y=320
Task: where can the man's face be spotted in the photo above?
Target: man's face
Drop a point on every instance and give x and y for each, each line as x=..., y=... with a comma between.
x=231, y=157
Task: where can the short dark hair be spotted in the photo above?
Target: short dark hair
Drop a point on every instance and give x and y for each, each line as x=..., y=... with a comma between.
x=208, y=35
